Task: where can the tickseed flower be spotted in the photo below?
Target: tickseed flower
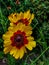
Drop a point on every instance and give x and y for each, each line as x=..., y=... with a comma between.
x=25, y=17
x=17, y=39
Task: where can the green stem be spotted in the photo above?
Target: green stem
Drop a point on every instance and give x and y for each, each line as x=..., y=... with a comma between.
x=40, y=56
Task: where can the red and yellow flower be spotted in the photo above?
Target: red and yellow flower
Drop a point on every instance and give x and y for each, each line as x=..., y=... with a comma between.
x=25, y=17
x=17, y=39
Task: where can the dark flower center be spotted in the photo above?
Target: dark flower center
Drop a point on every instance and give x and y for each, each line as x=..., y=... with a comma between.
x=19, y=39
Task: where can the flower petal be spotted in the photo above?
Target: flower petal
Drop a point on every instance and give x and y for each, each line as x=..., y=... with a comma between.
x=17, y=54
x=21, y=15
x=27, y=28
x=30, y=38
x=12, y=51
x=13, y=17
x=6, y=44
x=7, y=49
x=28, y=46
x=21, y=26
x=28, y=33
x=32, y=17
x=27, y=14
x=22, y=50
x=32, y=43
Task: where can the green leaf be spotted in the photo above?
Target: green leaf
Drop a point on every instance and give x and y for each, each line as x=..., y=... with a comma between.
x=11, y=60
x=1, y=54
